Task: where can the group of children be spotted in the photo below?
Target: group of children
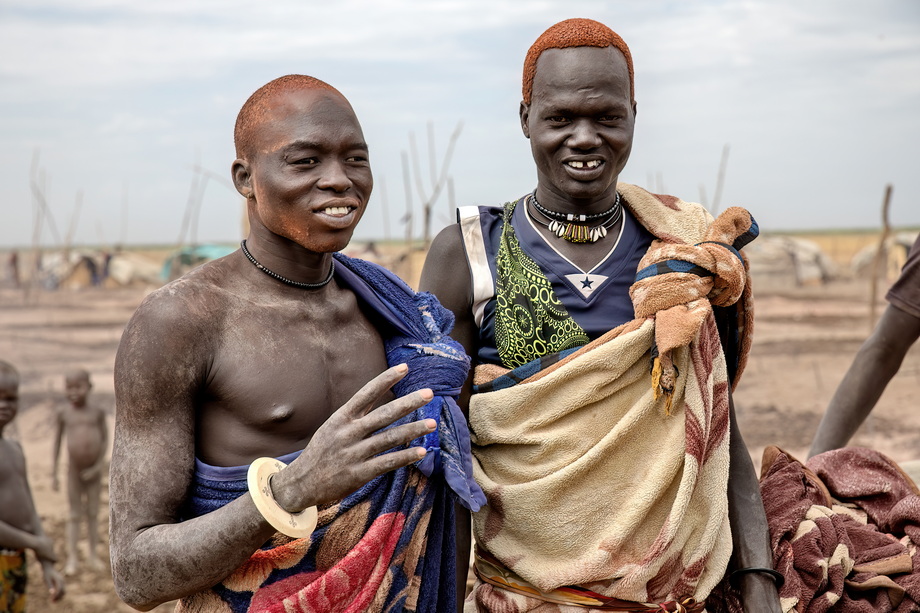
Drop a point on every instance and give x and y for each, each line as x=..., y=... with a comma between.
x=84, y=427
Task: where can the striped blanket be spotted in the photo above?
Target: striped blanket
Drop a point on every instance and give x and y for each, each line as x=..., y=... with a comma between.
x=390, y=546
x=845, y=530
x=606, y=467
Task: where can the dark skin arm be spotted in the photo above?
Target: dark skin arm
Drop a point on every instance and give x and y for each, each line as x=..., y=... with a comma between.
x=748, y=520
x=441, y=277
x=155, y=558
x=58, y=437
x=876, y=362
x=750, y=533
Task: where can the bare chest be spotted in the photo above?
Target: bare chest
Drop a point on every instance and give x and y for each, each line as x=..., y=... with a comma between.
x=278, y=374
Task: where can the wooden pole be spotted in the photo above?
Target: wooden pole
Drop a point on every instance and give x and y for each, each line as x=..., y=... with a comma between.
x=407, y=187
x=720, y=180
x=880, y=256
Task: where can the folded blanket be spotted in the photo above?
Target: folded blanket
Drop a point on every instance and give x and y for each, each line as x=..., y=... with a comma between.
x=390, y=546
x=603, y=482
x=844, y=530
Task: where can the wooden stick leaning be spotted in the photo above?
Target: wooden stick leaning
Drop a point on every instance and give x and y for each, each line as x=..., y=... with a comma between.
x=295, y=525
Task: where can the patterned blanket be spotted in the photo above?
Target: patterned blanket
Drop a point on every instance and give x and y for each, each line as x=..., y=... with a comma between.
x=845, y=529
x=607, y=486
x=390, y=546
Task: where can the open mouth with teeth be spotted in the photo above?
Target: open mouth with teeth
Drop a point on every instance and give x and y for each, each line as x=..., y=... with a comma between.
x=589, y=164
x=338, y=211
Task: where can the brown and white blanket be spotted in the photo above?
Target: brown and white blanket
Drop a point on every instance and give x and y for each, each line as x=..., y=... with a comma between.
x=607, y=485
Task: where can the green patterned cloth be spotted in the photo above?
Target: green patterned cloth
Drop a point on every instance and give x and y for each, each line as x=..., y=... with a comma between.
x=530, y=321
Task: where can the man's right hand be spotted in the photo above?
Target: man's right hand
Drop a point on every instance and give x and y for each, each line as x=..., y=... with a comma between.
x=344, y=454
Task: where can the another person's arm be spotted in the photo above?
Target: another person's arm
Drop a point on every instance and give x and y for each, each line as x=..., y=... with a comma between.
x=54, y=581
x=58, y=437
x=876, y=362
x=155, y=558
x=750, y=532
x=445, y=276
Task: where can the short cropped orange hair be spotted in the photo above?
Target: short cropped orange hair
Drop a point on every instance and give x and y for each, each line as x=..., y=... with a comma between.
x=574, y=33
x=257, y=106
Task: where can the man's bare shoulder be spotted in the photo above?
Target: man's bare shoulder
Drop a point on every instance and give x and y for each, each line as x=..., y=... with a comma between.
x=198, y=298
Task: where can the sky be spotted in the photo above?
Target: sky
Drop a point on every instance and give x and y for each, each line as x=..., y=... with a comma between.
x=117, y=115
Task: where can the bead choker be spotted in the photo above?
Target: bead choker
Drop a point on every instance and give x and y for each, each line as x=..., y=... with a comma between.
x=285, y=280
x=572, y=228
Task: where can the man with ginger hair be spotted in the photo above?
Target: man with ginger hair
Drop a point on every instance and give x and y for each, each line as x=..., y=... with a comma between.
x=286, y=435
x=608, y=489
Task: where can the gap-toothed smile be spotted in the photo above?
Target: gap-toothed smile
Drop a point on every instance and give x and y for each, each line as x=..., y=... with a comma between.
x=588, y=164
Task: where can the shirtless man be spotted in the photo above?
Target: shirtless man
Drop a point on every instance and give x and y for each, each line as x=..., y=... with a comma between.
x=87, y=437
x=20, y=525
x=269, y=351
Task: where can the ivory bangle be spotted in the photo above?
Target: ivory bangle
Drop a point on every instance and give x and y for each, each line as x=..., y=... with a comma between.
x=294, y=525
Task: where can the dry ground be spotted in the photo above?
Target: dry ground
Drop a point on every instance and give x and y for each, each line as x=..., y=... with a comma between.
x=804, y=341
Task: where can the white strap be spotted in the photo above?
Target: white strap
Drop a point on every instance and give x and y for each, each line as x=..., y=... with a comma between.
x=483, y=284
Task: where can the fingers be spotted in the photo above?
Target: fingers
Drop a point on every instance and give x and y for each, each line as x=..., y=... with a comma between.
x=390, y=461
x=386, y=414
x=397, y=436
x=368, y=395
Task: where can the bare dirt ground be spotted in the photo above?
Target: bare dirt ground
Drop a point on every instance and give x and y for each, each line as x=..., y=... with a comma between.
x=805, y=339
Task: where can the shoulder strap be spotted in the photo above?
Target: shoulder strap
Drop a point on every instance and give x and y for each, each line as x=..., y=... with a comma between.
x=481, y=275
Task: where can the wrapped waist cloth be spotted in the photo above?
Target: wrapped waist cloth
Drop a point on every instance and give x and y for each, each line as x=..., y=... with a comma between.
x=13, y=578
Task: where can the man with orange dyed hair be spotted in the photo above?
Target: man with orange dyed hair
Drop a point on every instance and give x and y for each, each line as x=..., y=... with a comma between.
x=286, y=436
x=608, y=489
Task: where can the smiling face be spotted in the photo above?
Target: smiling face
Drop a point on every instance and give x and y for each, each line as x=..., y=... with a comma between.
x=580, y=123
x=307, y=178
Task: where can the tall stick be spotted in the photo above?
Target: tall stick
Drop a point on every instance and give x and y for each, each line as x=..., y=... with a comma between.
x=407, y=187
x=71, y=230
x=385, y=208
x=720, y=180
x=881, y=252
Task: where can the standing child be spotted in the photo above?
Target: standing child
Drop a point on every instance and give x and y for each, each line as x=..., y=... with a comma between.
x=20, y=526
x=87, y=438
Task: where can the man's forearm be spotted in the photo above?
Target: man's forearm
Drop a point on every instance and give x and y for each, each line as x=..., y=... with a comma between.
x=750, y=531
x=170, y=561
x=876, y=362
x=14, y=538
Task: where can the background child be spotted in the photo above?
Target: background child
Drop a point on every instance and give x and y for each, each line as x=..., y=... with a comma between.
x=87, y=438
x=20, y=526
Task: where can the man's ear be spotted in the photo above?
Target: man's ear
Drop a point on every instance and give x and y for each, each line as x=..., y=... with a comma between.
x=634, y=109
x=525, y=115
x=242, y=178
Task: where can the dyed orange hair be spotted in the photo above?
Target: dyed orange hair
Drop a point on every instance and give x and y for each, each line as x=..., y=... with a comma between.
x=257, y=106
x=574, y=33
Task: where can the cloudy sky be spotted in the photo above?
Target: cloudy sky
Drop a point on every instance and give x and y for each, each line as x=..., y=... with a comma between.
x=128, y=107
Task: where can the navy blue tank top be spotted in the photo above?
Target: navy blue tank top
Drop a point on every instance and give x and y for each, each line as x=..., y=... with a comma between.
x=597, y=299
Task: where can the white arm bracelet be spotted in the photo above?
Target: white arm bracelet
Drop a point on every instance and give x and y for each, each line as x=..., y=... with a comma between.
x=295, y=525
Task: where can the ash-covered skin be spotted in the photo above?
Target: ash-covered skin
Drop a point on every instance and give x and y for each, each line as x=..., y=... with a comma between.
x=84, y=426
x=20, y=525
x=580, y=120
x=229, y=364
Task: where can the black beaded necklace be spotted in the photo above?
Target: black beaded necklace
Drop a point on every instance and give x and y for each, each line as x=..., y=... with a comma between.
x=290, y=282
x=571, y=227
